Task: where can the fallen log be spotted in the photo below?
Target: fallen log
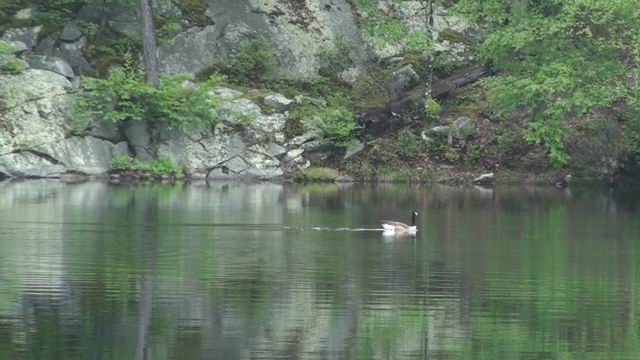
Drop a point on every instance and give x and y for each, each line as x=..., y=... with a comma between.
x=458, y=79
x=438, y=90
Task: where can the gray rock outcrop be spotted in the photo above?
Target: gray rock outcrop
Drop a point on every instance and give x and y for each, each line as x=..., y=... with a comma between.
x=296, y=32
x=34, y=127
x=71, y=33
x=224, y=93
x=449, y=30
x=51, y=63
x=87, y=155
x=28, y=165
x=277, y=102
x=353, y=150
x=246, y=145
x=27, y=36
x=34, y=110
x=197, y=48
x=399, y=82
x=72, y=52
x=464, y=127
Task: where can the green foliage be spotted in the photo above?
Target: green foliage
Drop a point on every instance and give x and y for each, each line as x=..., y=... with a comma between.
x=12, y=65
x=431, y=109
x=110, y=51
x=334, y=60
x=367, y=6
x=249, y=65
x=473, y=153
x=5, y=48
x=508, y=142
x=316, y=174
x=631, y=118
x=125, y=95
x=9, y=64
x=181, y=107
x=53, y=15
x=194, y=11
x=163, y=166
x=369, y=90
x=632, y=136
x=549, y=134
x=411, y=146
x=7, y=11
x=167, y=28
x=334, y=122
x=319, y=86
x=252, y=61
x=168, y=24
x=125, y=162
x=385, y=30
x=557, y=59
x=418, y=42
x=90, y=29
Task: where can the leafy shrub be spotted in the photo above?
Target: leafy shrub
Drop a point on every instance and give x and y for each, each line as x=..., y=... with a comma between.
x=194, y=11
x=632, y=136
x=125, y=162
x=11, y=65
x=549, y=134
x=253, y=59
x=54, y=14
x=508, y=142
x=334, y=60
x=431, y=109
x=164, y=166
x=474, y=153
x=249, y=65
x=318, y=86
x=5, y=48
x=369, y=90
x=316, y=174
x=557, y=61
x=335, y=122
x=158, y=168
x=113, y=51
x=418, y=42
x=411, y=146
x=167, y=28
x=385, y=30
x=367, y=6
x=124, y=95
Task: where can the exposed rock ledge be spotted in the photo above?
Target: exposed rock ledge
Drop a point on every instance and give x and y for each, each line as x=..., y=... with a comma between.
x=36, y=140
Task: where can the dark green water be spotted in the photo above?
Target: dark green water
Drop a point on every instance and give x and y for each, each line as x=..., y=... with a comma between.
x=89, y=271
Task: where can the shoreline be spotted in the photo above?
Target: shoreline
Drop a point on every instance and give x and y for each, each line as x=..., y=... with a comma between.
x=462, y=178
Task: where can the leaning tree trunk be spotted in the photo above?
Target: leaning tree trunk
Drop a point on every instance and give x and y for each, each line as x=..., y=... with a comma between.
x=149, y=48
x=429, y=22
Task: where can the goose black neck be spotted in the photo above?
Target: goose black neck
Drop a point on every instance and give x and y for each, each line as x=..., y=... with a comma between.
x=413, y=219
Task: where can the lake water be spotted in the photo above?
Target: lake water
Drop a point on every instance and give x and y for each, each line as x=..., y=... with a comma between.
x=92, y=271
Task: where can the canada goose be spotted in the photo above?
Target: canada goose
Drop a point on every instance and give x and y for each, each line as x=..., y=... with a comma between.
x=399, y=227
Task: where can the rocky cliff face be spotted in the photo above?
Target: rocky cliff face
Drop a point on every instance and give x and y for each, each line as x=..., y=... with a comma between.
x=39, y=136
x=36, y=136
x=295, y=29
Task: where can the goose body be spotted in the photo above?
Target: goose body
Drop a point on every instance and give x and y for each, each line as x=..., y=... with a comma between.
x=398, y=227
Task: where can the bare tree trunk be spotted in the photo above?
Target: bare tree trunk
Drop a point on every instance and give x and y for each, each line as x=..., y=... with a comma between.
x=429, y=22
x=149, y=47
